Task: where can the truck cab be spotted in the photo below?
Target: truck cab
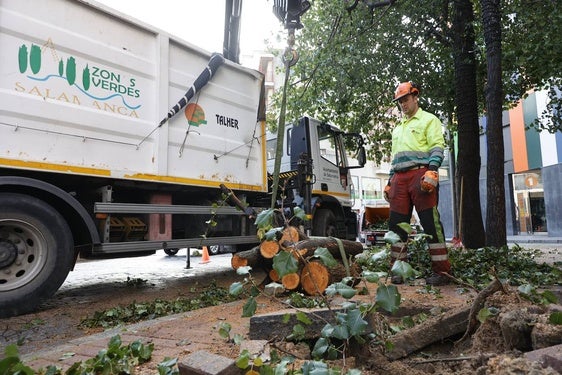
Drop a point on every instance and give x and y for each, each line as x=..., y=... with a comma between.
x=317, y=155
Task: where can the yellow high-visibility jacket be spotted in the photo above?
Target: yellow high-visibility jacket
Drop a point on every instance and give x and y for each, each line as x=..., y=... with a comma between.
x=417, y=141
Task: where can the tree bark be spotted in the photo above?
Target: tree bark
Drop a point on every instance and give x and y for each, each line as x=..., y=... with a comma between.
x=468, y=161
x=495, y=189
x=307, y=247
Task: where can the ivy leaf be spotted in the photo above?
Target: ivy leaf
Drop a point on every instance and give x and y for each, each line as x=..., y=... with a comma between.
x=271, y=235
x=315, y=368
x=298, y=333
x=555, y=318
x=303, y=318
x=483, y=315
x=325, y=256
x=236, y=288
x=281, y=368
x=406, y=227
x=391, y=237
x=342, y=289
x=243, y=360
x=526, y=289
x=379, y=255
x=320, y=347
x=265, y=219
x=284, y=263
x=403, y=269
x=299, y=213
x=243, y=270
x=356, y=323
x=224, y=330
x=373, y=277
x=388, y=297
x=249, y=308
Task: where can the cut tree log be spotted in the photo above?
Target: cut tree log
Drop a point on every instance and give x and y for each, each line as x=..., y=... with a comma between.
x=268, y=249
x=308, y=247
x=315, y=278
x=430, y=331
x=291, y=281
x=252, y=258
x=290, y=235
x=273, y=275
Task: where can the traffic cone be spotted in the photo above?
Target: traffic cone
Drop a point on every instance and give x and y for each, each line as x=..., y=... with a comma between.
x=205, y=257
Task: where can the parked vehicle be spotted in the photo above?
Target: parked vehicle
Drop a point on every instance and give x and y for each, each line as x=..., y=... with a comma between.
x=116, y=138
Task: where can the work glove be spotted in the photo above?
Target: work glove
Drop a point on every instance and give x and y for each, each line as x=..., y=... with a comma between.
x=429, y=181
x=386, y=193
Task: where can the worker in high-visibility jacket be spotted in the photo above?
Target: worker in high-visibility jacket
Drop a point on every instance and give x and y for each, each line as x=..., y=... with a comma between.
x=417, y=154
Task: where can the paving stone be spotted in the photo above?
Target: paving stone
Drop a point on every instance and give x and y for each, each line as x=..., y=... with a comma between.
x=205, y=363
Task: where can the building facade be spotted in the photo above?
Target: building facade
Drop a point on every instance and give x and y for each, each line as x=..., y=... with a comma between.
x=533, y=174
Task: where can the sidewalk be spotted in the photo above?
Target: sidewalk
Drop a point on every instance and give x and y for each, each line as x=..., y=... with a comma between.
x=534, y=238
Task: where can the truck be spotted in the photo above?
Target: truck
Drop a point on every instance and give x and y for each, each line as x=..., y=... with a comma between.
x=118, y=139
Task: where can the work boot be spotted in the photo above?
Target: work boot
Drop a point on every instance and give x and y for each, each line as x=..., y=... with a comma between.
x=397, y=279
x=437, y=279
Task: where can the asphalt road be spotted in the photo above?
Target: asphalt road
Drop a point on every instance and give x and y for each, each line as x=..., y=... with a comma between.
x=155, y=269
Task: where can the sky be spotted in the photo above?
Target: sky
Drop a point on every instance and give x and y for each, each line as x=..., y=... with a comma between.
x=201, y=22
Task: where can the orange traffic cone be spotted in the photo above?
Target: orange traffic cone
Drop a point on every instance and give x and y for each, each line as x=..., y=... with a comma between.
x=205, y=257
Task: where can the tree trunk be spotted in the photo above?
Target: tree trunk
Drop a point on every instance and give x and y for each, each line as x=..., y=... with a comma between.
x=468, y=161
x=495, y=189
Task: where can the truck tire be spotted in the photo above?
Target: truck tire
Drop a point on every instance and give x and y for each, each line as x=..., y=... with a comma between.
x=36, y=253
x=324, y=223
x=172, y=251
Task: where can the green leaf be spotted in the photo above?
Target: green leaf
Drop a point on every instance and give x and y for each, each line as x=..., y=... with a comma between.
x=224, y=330
x=379, y=255
x=342, y=289
x=284, y=263
x=236, y=288
x=271, y=235
x=325, y=256
x=299, y=213
x=388, y=297
x=315, y=368
x=238, y=339
x=281, y=368
x=320, y=347
x=526, y=289
x=406, y=227
x=303, y=318
x=555, y=318
x=403, y=269
x=483, y=315
x=243, y=270
x=355, y=322
x=549, y=296
x=298, y=333
x=391, y=237
x=373, y=277
x=249, y=308
x=243, y=360
x=265, y=219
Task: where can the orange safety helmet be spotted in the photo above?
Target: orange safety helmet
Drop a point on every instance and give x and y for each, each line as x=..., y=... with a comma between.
x=405, y=88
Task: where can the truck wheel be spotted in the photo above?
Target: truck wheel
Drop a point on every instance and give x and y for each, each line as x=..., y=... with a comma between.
x=324, y=223
x=36, y=253
x=171, y=252
x=215, y=249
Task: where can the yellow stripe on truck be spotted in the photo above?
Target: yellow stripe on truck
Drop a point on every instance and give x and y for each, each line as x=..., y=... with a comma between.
x=53, y=167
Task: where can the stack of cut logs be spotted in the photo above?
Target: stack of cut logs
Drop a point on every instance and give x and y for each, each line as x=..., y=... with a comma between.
x=312, y=277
